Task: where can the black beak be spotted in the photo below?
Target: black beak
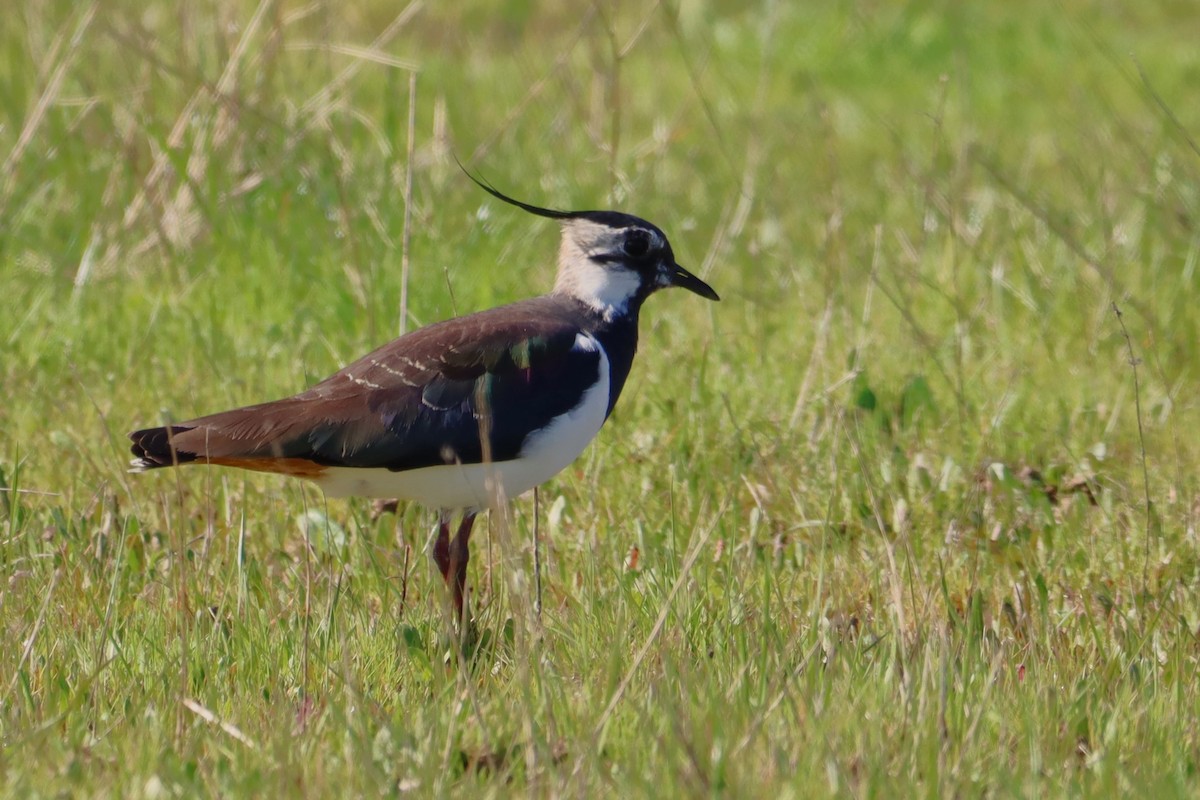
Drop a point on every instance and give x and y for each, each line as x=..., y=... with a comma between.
x=678, y=276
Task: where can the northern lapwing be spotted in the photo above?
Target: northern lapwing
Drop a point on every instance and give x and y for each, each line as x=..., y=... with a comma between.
x=463, y=413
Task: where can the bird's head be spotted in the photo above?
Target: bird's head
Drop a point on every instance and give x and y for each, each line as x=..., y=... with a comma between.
x=611, y=261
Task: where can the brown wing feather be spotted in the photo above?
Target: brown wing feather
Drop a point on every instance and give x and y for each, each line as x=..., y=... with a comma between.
x=360, y=406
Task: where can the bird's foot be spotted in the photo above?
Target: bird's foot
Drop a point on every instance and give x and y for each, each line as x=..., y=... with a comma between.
x=465, y=642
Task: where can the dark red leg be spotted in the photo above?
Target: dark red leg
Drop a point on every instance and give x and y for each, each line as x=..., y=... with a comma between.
x=452, y=557
x=460, y=554
x=441, y=547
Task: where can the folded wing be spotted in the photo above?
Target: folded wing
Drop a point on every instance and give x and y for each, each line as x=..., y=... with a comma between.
x=464, y=391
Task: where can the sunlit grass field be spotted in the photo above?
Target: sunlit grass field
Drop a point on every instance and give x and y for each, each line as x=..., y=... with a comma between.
x=910, y=512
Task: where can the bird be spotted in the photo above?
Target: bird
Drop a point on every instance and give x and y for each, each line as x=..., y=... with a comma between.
x=461, y=414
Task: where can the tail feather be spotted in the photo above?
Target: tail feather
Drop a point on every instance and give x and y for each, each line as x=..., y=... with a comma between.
x=154, y=447
x=261, y=431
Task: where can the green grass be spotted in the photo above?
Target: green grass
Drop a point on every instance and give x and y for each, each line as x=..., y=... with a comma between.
x=897, y=517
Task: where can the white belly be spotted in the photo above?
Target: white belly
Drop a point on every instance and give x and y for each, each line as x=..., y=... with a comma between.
x=545, y=453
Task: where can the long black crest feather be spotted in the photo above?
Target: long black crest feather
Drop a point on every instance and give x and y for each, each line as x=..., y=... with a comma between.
x=499, y=195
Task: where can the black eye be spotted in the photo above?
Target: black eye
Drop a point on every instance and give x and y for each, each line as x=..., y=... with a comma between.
x=637, y=243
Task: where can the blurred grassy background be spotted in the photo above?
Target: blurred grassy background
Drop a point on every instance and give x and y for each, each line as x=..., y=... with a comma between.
x=906, y=517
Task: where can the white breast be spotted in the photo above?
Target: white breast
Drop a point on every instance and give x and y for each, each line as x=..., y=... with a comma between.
x=544, y=454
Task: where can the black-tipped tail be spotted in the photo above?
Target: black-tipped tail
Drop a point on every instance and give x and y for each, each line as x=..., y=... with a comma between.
x=152, y=449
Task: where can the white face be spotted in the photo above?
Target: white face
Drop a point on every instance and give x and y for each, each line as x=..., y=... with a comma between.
x=607, y=267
